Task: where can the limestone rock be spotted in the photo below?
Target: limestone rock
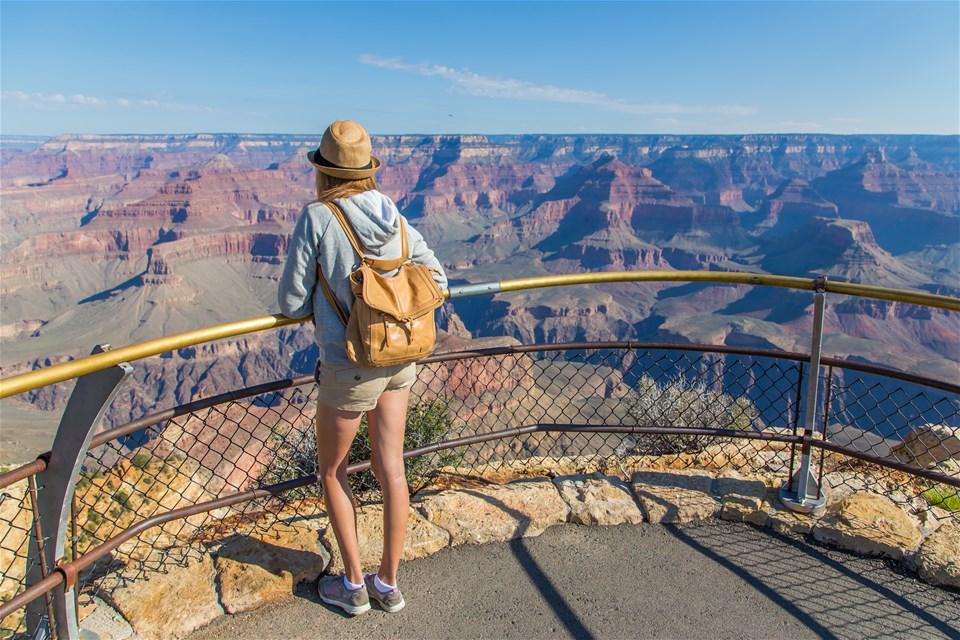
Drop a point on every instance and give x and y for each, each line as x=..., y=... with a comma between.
x=106, y=623
x=931, y=519
x=524, y=508
x=950, y=467
x=675, y=496
x=171, y=604
x=249, y=585
x=939, y=557
x=739, y=508
x=261, y=568
x=841, y=484
x=870, y=524
x=789, y=522
x=735, y=485
x=929, y=445
x=423, y=538
x=747, y=499
x=86, y=605
x=598, y=499
x=510, y=470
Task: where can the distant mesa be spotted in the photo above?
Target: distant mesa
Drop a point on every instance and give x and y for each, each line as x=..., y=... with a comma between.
x=789, y=207
x=140, y=236
x=845, y=249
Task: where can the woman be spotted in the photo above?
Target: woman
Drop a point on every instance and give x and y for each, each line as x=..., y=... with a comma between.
x=344, y=173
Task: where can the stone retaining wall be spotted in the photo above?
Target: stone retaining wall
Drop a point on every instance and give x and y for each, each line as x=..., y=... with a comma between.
x=256, y=567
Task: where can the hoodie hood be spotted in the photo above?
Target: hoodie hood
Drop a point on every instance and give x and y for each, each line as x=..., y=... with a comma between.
x=374, y=217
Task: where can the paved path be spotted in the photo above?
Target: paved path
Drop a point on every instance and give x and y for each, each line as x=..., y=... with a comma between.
x=714, y=580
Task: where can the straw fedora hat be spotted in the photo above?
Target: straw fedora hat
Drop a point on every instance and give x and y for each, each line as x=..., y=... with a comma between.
x=344, y=152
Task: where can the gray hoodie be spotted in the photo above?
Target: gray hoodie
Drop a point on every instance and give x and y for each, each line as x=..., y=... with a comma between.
x=318, y=239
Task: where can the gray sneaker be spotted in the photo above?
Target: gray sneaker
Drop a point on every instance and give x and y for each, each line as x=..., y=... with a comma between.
x=333, y=591
x=391, y=601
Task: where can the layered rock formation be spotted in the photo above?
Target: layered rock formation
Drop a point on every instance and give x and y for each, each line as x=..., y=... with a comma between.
x=126, y=238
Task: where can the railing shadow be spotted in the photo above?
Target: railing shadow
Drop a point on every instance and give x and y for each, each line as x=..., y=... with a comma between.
x=536, y=574
x=831, y=598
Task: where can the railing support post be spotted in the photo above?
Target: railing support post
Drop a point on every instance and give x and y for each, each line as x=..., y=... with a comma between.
x=88, y=403
x=802, y=492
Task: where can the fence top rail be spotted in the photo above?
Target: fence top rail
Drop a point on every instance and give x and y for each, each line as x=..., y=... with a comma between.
x=152, y=419
x=31, y=380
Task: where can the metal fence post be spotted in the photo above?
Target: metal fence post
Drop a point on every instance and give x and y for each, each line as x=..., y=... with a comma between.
x=803, y=492
x=88, y=403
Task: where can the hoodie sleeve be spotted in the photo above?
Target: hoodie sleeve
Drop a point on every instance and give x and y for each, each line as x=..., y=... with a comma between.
x=299, y=276
x=421, y=254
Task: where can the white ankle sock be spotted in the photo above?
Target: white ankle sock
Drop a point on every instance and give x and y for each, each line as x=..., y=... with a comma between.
x=349, y=585
x=382, y=586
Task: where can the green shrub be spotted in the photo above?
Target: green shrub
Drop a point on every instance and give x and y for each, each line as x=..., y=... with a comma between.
x=428, y=422
x=121, y=497
x=141, y=460
x=943, y=496
x=86, y=478
x=681, y=403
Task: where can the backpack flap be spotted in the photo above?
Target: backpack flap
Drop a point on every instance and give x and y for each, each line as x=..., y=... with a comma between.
x=409, y=294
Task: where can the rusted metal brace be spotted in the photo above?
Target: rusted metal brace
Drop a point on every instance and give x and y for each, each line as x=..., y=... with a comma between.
x=69, y=573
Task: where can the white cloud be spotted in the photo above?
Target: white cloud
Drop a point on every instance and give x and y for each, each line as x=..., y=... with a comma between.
x=468, y=83
x=58, y=101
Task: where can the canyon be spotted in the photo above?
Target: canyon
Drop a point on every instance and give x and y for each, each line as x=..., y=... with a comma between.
x=121, y=239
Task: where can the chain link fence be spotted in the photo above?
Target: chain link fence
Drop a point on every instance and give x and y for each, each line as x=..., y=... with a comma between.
x=16, y=561
x=900, y=421
x=246, y=443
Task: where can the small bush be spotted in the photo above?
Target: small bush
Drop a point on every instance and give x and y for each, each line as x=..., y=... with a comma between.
x=121, y=497
x=86, y=478
x=428, y=422
x=680, y=403
x=141, y=460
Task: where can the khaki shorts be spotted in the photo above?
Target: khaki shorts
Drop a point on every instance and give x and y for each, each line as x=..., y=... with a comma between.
x=351, y=388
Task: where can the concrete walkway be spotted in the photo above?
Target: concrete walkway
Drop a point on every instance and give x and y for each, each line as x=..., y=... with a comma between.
x=712, y=580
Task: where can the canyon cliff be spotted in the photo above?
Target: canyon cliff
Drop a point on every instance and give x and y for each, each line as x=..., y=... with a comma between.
x=119, y=239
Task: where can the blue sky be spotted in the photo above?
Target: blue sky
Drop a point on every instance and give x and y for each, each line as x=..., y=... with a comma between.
x=480, y=67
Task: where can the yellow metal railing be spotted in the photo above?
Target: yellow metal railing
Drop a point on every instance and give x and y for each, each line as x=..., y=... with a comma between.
x=31, y=380
x=734, y=277
x=23, y=382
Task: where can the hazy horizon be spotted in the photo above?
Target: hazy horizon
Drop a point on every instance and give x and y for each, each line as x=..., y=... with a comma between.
x=318, y=134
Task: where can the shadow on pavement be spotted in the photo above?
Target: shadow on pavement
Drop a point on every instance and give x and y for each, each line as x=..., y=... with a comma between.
x=883, y=606
x=710, y=580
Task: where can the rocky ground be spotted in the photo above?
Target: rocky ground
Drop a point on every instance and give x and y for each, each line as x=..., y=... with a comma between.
x=710, y=580
x=260, y=564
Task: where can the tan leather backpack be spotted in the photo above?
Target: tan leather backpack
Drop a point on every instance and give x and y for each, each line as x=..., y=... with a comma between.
x=392, y=317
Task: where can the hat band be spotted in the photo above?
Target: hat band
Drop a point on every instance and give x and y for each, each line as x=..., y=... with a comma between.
x=323, y=162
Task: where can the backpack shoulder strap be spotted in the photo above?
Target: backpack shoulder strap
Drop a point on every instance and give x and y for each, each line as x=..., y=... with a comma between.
x=346, y=226
x=380, y=265
x=332, y=299
x=404, y=243
x=322, y=279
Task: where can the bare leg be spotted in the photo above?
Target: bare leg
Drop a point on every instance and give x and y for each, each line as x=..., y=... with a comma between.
x=387, y=424
x=336, y=430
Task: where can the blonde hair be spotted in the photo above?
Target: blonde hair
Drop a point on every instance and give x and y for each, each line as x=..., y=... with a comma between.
x=330, y=187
